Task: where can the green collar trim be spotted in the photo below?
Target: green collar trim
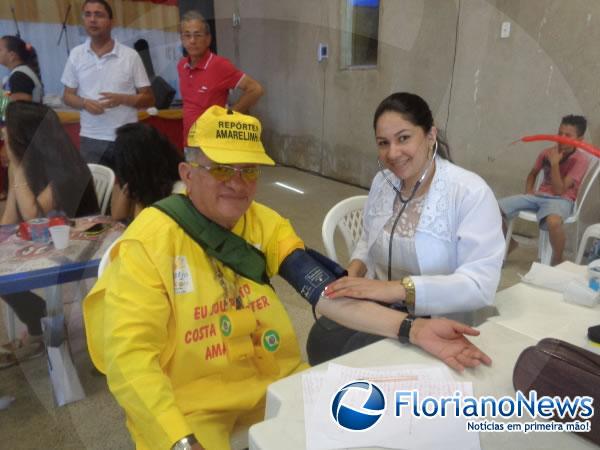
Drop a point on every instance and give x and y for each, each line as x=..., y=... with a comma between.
x=218, y=242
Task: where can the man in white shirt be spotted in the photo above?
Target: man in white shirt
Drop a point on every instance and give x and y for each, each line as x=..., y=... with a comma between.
x=106, y=81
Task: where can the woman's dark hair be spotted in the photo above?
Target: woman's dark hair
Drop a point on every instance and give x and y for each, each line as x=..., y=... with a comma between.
x=414, y=109
x=40, y=144
x=146, y=161
x=25, y=52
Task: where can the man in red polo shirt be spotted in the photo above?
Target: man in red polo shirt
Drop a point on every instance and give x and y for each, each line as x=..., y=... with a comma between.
x=205, y=78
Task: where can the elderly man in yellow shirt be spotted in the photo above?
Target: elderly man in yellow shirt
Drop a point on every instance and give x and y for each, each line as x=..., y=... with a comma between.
x=184, y=321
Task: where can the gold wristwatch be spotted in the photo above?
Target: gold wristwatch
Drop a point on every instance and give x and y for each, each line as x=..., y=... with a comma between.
x=409, y=299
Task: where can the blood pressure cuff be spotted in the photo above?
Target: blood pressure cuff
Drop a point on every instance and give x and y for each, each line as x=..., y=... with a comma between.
x=309, y=272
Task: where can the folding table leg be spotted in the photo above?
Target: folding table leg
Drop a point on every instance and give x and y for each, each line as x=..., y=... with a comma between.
x=65, y=381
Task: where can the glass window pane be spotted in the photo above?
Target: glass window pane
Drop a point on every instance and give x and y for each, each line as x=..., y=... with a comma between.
x=361, y=31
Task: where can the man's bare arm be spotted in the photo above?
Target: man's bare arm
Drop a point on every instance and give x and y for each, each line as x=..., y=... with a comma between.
x=253, y=91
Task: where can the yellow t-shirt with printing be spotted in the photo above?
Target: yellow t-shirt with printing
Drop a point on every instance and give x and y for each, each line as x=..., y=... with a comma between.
x=152, y=323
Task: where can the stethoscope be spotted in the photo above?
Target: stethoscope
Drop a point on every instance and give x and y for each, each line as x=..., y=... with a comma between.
x=403, y=201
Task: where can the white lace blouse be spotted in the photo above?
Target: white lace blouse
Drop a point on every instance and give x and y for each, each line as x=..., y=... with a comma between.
x=458, y=242
x=404, y=252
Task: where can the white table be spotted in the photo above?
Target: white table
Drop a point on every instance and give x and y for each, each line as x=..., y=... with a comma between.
x=541, y=313
x=527, y=314
x=26, y=265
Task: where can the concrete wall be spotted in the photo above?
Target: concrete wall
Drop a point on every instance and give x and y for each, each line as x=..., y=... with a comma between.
x=486, y=92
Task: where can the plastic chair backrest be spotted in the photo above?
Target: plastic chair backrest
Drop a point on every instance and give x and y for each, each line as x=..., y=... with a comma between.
x=585, y=186
x=538, y=180
x=104, y=180
x=347, y=215
x=105, y=258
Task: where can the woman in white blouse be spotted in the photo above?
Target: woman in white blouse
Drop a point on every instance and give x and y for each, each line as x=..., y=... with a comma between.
x=432, y=234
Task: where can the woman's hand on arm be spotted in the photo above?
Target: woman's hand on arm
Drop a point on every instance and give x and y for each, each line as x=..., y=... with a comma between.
x=356, y=268
x=366, y=289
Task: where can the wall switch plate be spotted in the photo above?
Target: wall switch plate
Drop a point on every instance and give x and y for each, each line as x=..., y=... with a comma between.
x=505, y=30
x=236, y=20
x=322, y=52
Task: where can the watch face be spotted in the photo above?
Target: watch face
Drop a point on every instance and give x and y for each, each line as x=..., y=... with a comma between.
x=182, y=445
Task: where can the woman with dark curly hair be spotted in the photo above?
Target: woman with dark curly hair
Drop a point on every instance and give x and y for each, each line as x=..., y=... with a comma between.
x=146, y=168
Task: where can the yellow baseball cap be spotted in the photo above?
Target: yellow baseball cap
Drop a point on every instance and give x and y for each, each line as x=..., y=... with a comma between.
x=229, y=137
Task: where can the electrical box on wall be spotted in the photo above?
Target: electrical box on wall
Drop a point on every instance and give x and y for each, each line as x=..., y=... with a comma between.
x=322, y=52
x=505, y=30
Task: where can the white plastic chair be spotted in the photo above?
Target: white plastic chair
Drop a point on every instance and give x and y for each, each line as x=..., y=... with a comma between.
x=105, y=258
x=104, y=180
x=591, y=232
x=544, y=247
x=347, y=215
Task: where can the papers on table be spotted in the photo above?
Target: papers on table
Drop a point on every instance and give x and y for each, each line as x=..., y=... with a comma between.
x=570, y=279
x=405, y=431
x=551, y=277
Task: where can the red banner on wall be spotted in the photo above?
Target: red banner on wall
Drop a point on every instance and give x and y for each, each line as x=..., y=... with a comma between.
x=162, y=2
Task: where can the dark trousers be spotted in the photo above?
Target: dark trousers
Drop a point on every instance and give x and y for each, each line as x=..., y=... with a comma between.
x=328, y=339
x=29, y=308
x=96, y=151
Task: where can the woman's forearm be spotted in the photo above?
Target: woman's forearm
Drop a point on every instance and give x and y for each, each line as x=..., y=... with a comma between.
x=28, y=204
x=24, y=197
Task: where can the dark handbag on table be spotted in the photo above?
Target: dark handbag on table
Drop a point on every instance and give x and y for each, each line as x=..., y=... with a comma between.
x=557, y=368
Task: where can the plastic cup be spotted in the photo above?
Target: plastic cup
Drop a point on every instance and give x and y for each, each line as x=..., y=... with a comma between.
x=39, y=230
x=594, y=275
x=24, y=231
x=60, y=236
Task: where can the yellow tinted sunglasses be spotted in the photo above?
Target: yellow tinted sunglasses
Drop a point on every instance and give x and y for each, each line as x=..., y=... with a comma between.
x=223, y=172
